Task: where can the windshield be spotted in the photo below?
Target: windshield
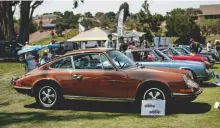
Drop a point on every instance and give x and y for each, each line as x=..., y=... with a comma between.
x=183, y=51
x=120, y=60
x=174, y=52
x=162, y=56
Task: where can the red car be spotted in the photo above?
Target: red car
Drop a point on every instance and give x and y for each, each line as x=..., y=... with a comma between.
x=175, y=55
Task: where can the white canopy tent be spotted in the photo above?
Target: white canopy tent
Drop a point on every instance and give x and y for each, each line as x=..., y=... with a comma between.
x=94, y=34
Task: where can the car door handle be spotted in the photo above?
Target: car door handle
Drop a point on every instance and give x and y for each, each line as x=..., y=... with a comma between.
x=77, y=76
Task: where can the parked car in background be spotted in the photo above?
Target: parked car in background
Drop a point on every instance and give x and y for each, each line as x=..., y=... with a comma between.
x=103, y=73
x=212, y=53
x=184, y=51
x=8, y=50
x=175, y=55
x=155, y=58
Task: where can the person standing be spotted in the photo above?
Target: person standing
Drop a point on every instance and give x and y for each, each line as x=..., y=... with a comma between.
x=194, y=46
x=217, y=45
x=123, y=46
x=209, y=46
x=109, y=42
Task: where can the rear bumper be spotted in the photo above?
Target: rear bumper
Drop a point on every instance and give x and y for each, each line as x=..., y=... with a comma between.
x=186, y=96
x=24, y=90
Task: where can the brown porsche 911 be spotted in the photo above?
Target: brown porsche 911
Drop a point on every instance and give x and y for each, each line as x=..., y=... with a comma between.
x=104, y=73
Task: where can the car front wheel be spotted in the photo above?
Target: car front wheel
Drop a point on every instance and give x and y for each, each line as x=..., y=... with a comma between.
x=48, y=96
x=153, y=94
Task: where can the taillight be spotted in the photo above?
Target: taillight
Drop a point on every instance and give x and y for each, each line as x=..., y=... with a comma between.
x=18, y=83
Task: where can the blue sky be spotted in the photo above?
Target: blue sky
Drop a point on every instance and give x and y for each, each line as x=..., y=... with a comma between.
x=93, y=6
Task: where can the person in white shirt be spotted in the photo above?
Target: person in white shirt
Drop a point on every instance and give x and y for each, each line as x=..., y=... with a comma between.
x=209, y=46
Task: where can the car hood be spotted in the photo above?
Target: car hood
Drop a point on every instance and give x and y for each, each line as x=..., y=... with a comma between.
x=187, y=62
x=172, y=70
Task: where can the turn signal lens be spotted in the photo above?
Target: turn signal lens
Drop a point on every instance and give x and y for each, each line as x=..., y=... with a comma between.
x=18, y=83
x=186, y=90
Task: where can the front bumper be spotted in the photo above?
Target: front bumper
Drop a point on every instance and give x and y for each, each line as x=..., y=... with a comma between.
x=187, y=96
x=24, y=90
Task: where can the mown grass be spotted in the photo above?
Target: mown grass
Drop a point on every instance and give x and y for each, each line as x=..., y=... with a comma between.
x=17, y=110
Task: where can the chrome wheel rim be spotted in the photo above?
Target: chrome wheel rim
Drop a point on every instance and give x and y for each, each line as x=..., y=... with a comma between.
x=154, y=94
x=21, y=58
x=47, y=96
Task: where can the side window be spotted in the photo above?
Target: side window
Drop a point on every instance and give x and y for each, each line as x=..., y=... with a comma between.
x=87, y=61
x=105, y=63
x=63, y=63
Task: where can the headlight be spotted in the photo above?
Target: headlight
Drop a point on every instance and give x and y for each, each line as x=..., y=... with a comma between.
x=185, y=78
x=190, y=75
x=189, y=82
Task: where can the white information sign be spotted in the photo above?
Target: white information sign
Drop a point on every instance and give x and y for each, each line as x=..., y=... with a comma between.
x=217, y=105
x=217, y=78
x=153, y=107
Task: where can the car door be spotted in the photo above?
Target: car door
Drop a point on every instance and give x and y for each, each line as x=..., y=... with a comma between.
x=61, y=70
x=95, y=76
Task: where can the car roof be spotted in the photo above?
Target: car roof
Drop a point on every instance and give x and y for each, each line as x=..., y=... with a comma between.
x=89, y=50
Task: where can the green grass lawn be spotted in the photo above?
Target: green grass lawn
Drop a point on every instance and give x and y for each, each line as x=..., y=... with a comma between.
x=17, y=110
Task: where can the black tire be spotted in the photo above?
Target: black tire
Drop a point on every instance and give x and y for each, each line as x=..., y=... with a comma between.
x=21, y=58
x=144, y=91
x=48, y=96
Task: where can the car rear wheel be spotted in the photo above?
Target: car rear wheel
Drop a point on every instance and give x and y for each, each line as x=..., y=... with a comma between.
x=48, y=96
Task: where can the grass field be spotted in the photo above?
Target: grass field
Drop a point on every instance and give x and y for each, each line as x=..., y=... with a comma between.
x=17, y=110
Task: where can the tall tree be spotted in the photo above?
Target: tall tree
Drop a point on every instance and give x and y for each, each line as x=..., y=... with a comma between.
x=7, y=9
x=26, y=13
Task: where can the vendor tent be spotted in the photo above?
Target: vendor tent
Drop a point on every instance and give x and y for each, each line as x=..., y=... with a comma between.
x=95, y=34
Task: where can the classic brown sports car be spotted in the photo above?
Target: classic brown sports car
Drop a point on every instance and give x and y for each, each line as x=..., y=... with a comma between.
x=104, y=73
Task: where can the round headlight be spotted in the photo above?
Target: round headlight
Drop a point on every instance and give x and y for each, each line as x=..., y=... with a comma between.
x=190, y=75
x=185, y=78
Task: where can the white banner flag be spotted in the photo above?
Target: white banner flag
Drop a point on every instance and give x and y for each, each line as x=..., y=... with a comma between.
x=81, y=28
x=120, y=23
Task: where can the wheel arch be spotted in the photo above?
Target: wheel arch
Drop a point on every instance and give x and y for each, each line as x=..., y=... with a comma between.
x=190, y=69
x=50, y=82
x=152, y=83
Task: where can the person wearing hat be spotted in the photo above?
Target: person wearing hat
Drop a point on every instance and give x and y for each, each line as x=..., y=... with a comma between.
x=31, y=63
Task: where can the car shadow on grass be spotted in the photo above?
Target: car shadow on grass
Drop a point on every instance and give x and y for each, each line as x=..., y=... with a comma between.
x=126, y=107
x=208, y=84
x=189, y=108
x=9, y=118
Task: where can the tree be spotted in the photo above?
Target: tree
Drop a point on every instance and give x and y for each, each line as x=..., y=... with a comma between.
x=181, y=24
x=7, y=9
x=99, y=15
x=26, y=13
x=88, y=15
x=124, y=6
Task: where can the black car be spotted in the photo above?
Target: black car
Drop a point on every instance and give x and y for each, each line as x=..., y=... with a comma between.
x=8, y=50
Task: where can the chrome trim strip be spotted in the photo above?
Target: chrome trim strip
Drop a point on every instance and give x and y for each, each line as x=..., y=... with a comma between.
x=180, y=94
x=98, y=98
x=27, y=88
